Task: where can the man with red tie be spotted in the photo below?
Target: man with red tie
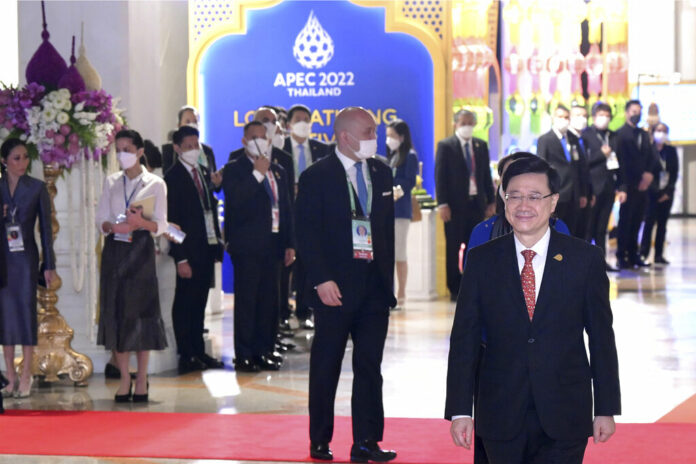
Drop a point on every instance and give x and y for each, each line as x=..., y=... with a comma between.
x=536, y=386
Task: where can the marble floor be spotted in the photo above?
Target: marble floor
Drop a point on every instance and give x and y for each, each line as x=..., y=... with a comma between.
x=654, y=321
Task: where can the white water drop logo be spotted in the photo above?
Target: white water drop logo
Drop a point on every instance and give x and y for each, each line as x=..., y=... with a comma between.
x=314, y=47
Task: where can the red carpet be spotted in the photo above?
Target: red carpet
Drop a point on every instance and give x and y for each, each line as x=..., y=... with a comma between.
x=284, y=438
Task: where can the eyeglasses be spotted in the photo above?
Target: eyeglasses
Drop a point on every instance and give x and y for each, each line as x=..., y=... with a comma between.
x=533, y=199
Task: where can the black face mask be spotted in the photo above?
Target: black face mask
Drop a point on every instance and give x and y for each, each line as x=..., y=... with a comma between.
x=635, y=119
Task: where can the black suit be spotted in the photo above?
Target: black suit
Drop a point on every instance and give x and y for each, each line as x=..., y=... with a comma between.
x=636, y=156
x=535, y=369
x=325, y=246
x=257, y=253
x=574, y=176
x=604, y=182
x=169, y=157
x=185, y=207
x=452, y=188
x=281, y=158
x=317, y=151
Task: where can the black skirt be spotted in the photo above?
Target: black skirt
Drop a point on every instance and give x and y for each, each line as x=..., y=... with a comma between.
x=130, y=318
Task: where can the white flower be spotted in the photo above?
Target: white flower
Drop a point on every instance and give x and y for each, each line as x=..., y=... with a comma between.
x=64, y=93
x=52, y=96
x=4, y=133
x=79, y=107
x=84, y=122
x=62, y=118
x=23, y=137
x=48, y=114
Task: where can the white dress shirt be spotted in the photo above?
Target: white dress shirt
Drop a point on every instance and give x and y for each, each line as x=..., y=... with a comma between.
x=349, y=166
x=112, y=202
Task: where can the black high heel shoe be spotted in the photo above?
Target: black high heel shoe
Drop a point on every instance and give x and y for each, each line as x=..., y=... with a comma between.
x=125, y=398
x=142, y=398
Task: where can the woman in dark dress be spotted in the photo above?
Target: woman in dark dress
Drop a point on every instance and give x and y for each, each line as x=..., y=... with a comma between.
x=24, y=199
x=130, y=319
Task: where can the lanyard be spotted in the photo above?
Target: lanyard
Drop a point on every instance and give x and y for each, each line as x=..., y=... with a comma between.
x=274, y=186
x=206, y=192
x=351, y=196
x=128, y=200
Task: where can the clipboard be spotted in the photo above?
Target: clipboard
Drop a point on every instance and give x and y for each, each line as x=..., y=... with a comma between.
x=147, y=204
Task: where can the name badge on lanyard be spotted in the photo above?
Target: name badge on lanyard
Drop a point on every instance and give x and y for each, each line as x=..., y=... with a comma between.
x=121, y=218
x=361, y=227
x=15, y=241
x=210, y=228
x=275, y=209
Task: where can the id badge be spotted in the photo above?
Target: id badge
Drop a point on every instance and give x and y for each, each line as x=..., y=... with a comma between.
x=612, y=162
x=362, y=239
x=473, y=190
x=14, y=237
x=210, y=228
x=664, y=180
x=127, y=238
x=275, y=214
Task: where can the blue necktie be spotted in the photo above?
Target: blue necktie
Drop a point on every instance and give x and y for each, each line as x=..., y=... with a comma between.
x=301, y=162
x=467, y=156
x=362, y=187
x=565, y=148
x=269, y=190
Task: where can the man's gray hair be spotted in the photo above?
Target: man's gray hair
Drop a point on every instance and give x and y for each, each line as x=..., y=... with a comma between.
x=465, y=112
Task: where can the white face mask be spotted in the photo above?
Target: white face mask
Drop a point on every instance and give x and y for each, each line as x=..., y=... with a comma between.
x=393, y=143
x=579, y=123
x=465, y=132
x=278, y=140
x=190, y=157
x=192, y=124
x=258, y=147
x=270, y=129
x=601, y=122
x=367, y=149
x=126, y=160
x=301, y=129
x=561, y=124
x=660, y=137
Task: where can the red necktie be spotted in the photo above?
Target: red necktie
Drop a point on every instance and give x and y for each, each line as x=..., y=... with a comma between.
x=528, y=284
x=197, y=181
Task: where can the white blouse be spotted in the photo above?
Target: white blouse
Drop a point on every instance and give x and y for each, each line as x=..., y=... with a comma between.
x=113, y=198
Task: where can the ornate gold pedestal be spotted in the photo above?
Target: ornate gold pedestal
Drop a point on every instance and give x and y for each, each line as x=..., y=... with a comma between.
x=54, y=356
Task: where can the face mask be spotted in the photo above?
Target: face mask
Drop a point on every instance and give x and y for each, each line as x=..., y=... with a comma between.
x=635, y=119
x=579, y=123
x=660, y=137
x=367, y=149
x=465, y=132
x=278, y=141
x=270, y=129
x=126, y=160
x=192, y=124
x=601, y=122
x=393, y=143
x=257, y=147
x=561, y=124
x=302, y=129
x=190, y=157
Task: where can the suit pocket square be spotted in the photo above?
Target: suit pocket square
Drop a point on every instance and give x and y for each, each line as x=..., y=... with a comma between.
x=386, y=194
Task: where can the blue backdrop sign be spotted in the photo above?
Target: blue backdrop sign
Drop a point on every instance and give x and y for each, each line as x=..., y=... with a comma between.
x=326, y=55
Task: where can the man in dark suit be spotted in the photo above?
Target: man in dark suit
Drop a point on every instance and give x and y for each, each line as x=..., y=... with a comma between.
x=188, y=116
x=305, y=151
x=639, y=161
x=259, y=235
x=192, y=206
x=605, y=174
x=464, y=190
x=561, y=149
x=536, y=386
x=349, y=280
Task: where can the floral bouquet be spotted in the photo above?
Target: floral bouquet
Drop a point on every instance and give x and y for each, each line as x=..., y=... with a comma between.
x=66, y=128
x=14, y=104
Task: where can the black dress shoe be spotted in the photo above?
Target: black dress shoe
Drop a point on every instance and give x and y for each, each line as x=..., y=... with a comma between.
x=285, y=325
x=285, y=333
x=275, y=356
x=125, y=398
x=3, y=382
x=210, y=362
x=307, y=324
x=368, y=450
x=142, y=398
x=320, y=451
x=267, y=364
x=285, y=346
x=245, y=365
x=638, y=262
x=190, y=364
x=625, y=264
x=660, y=260
x=611, y=268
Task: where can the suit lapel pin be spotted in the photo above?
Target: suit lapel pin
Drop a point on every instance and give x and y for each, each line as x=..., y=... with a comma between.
x=558, y=257
x=277, y=175
x=476, y=145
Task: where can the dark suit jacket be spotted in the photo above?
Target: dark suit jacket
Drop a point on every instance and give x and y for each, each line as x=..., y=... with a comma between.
x=248, y=220
x=544, y=360
x=671, y=166
x=636, y=158
x=452, y=175
x=324, y=238
x=278, y=157
x=318, y=149
x=574, y=174
x=600, y=176
x=184, y=209
x=169, y=157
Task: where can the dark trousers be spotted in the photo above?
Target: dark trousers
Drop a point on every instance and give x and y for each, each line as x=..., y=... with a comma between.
x=285, y=274
x=569, y=212
x=458, y=231
x=533, y=446
x=631, y=216
x=299, y=275
x=188, y=313
x=366, y=324
x=256, y=286
x=657, y=213
x=480, y=456
x=599, y=217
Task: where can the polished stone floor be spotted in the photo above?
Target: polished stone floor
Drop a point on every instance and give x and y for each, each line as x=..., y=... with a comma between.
x=655, y=325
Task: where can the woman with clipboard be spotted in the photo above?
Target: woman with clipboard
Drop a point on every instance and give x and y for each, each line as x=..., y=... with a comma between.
x=132, y=208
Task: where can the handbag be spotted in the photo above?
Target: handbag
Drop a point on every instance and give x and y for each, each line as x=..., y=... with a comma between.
x=416, y=214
